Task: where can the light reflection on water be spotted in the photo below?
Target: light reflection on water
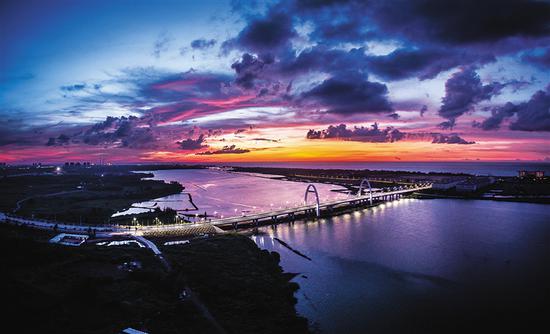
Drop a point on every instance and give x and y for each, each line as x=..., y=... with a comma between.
x=369, y=264
x=369, y=268
x=229, y=194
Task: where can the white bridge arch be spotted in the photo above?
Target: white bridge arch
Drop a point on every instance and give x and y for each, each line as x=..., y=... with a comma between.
x=360, y=192
x=311, y=189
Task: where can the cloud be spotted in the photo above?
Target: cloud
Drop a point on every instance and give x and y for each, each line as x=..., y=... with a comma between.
x=162, y=44
x=539, y=59
x=423, y=110
x=450, y=139
x=462, y=22
x=499, y=114
x=114, y=132
x=192, y=144
x=372, y=135
x=462, y=91
x=265, y=139
x=232, y=149
x=248, y=70
x=265, y=34
x=202, y=43
x=73, y=88
x=377, y=135
x=127, y=132
x=420, y=63
x=61, y=140
x=533, y=115
x=349, y=95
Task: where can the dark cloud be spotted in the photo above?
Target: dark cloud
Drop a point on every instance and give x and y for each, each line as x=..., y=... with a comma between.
x=192, y=144
x=202, y=43
x=325, y=59
x=436, y=35
x=462, y=22
x=349, y=95
x=447, y=124
x=121, y=132
x=533, y=115
x=421, y=63
x=232, y=149
x=127, y=132
x=363, y=134
x=73, y=88
x=450, y=139
x=265, y=34
x=377, y=135
x=248, y=70
x=266, y=139
x=14, y=131
x=462, y=91
x=498, y=115
x=423, y=110
x=61, y=140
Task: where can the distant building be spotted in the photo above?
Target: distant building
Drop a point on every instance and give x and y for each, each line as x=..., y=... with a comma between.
x=474, y=184
x=446, y=184
x=77, y=164
x=539, y=174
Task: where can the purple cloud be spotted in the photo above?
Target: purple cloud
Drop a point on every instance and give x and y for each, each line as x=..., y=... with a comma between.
x=363, y=134
x=450, y=139
x=349, y=95
x=192, y=144
x=533, y=115
x=462, y=91
x=387, y=135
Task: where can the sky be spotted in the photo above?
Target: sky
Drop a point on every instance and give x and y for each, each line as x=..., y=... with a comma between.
x=282, y=80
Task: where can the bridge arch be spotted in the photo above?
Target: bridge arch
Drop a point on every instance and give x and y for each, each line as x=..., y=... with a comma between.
x=360, y=192
x=311, y=189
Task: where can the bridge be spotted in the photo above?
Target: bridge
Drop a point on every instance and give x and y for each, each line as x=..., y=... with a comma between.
x=317, y=209
x=362, y=198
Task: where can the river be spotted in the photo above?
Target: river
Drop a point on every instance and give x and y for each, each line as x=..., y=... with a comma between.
x=399, y=267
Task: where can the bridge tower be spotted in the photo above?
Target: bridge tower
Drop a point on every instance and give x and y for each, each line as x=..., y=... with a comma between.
x=360, y=192
x=311, y=189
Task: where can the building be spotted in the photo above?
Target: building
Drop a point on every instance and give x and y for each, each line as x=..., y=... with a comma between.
x=474, y=184
x=539, y=174
x=446, y=184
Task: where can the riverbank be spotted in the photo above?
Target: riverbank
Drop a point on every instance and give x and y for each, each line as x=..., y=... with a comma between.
x=507, y=189
x=95, y=289
x=79, y=196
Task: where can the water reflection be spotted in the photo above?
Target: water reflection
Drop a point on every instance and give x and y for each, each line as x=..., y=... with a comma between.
x=375, y=263
x=224, y=194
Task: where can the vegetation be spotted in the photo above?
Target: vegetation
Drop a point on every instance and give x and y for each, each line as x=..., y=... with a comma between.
x=50, y=288
x=244, y=287
x=79, y=197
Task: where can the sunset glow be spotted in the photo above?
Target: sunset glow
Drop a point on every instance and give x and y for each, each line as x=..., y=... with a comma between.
x=221, y=82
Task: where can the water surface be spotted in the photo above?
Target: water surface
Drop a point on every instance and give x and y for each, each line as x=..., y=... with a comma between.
x=389, y=268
